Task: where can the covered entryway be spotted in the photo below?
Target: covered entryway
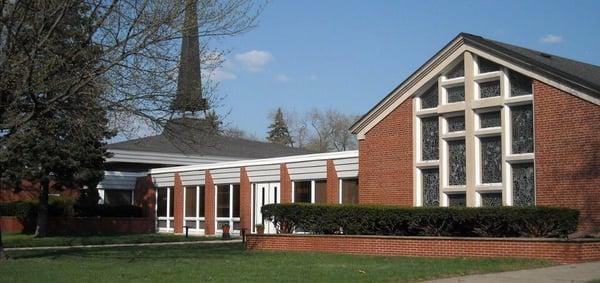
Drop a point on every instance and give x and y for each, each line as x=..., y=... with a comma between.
x=262, y=194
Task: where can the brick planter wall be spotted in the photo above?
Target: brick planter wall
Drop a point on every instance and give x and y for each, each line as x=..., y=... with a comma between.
x=85, y=225
x=11, y=224
x=556, y=250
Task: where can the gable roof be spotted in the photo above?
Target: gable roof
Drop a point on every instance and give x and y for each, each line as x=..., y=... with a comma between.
x=576, y=76
x=185, y=138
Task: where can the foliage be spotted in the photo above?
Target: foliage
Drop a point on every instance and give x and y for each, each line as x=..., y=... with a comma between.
x=27, y=210
x=415, y=221
x=278, y=130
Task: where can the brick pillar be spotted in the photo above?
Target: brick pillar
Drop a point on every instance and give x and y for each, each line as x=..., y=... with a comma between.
x=178, y=203
x=245, y=195
x=333, y=183
x=209, y=204
x=286, y=184
x=145, y=196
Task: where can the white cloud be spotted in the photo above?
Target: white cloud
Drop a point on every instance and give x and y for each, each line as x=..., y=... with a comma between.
x=282, y=78
x=313, y=77
x=254, y=60
x=552, y=39
x=221, y=74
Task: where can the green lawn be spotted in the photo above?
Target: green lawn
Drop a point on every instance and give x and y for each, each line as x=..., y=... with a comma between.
x=26, y=240
x=230, y=263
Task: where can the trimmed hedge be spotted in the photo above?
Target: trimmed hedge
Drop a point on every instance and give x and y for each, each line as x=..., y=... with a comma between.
x=534, y=221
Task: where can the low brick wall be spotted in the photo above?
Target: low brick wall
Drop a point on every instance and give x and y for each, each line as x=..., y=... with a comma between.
x=11, y=224
x=85, y=225
x=556, y=250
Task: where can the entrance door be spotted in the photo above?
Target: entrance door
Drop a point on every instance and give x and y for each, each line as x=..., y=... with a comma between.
x=264, y=193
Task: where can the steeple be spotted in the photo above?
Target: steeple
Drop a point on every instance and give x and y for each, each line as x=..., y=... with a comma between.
x=189, y=85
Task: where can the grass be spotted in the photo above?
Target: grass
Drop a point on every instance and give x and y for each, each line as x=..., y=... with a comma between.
x=231, y=263
x=26, y=240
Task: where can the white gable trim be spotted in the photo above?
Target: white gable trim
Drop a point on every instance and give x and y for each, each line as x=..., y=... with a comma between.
x=433, y=69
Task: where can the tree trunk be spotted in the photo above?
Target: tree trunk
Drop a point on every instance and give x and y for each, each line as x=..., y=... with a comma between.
x=42, y=219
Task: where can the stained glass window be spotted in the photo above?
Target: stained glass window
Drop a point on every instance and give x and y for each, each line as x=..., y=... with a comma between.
x=456, y=93
x=429, y=133
x=491, y=160
x=457, y=71
x=456, y=123
x=519, y=84
x=489, y=119
x=491, y=199
x=431, y=183
x=457, y=163
x=489, y=89
x=457, y=200
x=523, y=184
x=486, y=66
x=429, y=99
x=522, y=129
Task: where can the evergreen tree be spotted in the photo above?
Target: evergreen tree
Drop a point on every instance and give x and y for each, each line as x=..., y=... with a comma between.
x=278, y=130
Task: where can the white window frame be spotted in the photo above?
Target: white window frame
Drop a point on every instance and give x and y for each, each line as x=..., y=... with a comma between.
x=167, y=218
x=230, y=219
x=470, y=108
x=197, y=218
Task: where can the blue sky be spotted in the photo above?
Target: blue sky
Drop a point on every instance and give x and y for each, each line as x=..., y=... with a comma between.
x=347, y=55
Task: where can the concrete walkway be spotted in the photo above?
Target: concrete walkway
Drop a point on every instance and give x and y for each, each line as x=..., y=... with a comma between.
x=123, y=245
x=572, y=273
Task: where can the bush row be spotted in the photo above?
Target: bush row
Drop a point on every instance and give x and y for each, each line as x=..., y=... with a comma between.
x=534, y=221
x=27, y=210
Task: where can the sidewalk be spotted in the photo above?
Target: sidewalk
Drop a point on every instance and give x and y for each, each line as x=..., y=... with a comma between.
x=122, y=245
x=572, y=273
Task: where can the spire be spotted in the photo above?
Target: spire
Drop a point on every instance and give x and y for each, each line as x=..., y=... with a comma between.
x=189, y=84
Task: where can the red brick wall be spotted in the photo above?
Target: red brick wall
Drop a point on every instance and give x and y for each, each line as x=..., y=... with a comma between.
x=11, y=224
x=31, y=191
x=178, y=203
x=209, y=204
x=245, y=196
x=286, y=184
x=385, y=160
x=567, y=152
x=145, y=195
x=333, y=195
x=549, y=249
x=85, y=225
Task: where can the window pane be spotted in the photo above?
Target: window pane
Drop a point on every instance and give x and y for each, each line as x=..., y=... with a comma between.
x=457, y=200
x=117, y=197
x=321, y=191
x=350, y=191
x=161, y=210
x=236, y=201
x=491, y=199
x=431, y=183
x=201, y=224
x=429, y=99
x=489, y=89
x=523, y=184
x=430, y=131
x=486, y=66
x=191, y=224
x=522, y=129
x=162, y=223
x=223, y=201
x=491, y=160
x=201, y=202
x=489, y=119
x=171, y=203
x=457, y=163
x=456, y=124
x=221, y=223
x=457, y=71
x=519, y=84
x=190, y=201
x=456, y=94
x=302, y=191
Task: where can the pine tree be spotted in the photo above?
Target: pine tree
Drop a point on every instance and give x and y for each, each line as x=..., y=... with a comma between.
x=278, y=130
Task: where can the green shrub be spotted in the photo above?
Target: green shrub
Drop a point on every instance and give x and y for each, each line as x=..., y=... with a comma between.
x=416, y=221
x=108, y=211
x=27, y=210
x=21, y=209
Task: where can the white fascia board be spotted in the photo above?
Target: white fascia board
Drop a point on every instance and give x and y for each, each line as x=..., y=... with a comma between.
x=254, y=162
x=417, y=80
x=125, y=174
x=164, y=158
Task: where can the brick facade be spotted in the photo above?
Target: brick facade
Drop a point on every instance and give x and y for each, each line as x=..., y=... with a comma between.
x=567, y=152
x=556, y=250
x=333, y=194
x=286, y=184
x=386, y=160
x=245, y=203
x=178, y=202
x=145, y=196
x=209, y=204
